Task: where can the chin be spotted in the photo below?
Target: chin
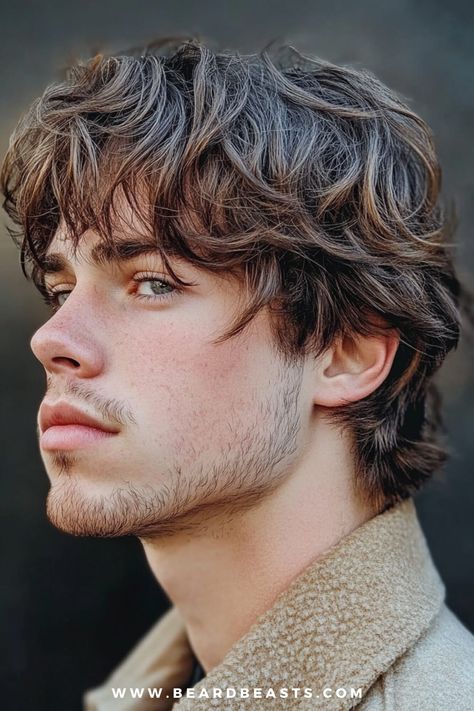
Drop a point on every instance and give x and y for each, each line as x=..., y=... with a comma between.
x=71, y=510
x=80, y=507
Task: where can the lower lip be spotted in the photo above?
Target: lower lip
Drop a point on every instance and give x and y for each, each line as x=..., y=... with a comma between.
x=72, y=436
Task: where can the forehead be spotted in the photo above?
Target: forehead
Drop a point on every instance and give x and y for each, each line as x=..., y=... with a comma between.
x=97, y=250
x=127, y=222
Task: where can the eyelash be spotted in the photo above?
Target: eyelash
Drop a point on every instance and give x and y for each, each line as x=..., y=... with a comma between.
x=50, y=296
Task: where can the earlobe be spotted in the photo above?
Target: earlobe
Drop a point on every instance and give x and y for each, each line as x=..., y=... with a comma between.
x=354, y=367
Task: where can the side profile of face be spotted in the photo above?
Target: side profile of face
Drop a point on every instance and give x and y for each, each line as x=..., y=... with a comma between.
x=148, y=426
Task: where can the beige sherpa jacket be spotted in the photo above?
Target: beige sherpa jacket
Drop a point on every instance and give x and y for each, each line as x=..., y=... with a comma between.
x=368, y=615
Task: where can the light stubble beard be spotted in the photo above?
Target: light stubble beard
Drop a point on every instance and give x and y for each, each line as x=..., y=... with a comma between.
x=257, y=457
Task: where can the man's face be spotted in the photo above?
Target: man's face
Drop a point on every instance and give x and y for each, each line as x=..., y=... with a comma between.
x=193, y=427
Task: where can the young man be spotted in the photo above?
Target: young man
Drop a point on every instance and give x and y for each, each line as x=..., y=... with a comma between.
x=252, y=286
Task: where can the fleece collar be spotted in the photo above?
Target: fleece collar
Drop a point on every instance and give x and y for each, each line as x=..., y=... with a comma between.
x=340, y=624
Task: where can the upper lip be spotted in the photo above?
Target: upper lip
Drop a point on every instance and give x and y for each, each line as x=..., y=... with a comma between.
x=65, y=414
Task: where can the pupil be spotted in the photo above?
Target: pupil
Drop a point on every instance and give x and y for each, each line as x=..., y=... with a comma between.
x=158, y=286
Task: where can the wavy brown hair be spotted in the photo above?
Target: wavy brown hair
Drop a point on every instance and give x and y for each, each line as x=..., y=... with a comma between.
x=313, y=183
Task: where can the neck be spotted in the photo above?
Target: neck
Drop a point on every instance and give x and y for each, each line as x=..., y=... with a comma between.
x=225, y=575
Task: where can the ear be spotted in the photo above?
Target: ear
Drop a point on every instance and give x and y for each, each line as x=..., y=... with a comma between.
x=353, y=367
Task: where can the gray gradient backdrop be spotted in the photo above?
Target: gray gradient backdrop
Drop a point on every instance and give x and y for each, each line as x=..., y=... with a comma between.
x=71, y=608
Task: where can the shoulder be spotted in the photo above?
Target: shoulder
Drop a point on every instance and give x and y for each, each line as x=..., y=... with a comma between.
x=438, y=670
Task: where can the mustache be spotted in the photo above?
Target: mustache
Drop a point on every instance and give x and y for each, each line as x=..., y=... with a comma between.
x=110, y=409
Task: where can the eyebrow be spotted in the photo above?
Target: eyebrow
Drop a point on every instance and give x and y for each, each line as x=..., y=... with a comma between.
x=101, y=254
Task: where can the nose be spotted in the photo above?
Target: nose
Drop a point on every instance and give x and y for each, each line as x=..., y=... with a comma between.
x=64, y=346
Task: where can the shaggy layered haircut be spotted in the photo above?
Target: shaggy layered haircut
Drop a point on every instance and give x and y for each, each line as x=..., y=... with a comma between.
x=312, y=183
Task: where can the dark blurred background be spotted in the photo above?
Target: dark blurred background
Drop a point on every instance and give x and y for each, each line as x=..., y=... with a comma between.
x=72, y=608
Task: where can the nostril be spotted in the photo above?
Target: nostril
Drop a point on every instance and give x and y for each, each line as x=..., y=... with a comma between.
x=62, y=360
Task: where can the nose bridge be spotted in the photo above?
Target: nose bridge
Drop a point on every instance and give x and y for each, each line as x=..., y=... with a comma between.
x=69, y=340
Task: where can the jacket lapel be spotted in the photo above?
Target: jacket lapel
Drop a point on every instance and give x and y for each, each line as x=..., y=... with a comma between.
x=340, y=624
x=162, y=659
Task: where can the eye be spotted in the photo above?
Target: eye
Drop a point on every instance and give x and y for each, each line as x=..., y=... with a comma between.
x=147, y=287
x=61, y=296
x=55, y=298
x=154, y=288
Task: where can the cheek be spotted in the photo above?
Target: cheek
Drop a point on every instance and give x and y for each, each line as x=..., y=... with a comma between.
x=192, y=382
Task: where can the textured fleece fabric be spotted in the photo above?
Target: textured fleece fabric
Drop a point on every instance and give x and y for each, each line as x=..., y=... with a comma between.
x=369, y=614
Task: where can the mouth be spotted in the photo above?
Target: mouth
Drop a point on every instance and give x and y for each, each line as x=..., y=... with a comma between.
x=62, y=426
